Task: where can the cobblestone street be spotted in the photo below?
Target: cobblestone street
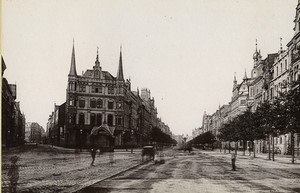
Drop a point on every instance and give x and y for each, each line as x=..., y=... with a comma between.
x=46, y=169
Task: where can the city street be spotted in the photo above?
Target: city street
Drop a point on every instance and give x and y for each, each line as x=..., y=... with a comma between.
x=205, y=171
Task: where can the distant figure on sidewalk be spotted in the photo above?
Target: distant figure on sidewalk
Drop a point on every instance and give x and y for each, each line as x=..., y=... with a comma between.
x=233, y=158
x=249, y=150
x=13, y=174
x=93, y=154
x=111, y=158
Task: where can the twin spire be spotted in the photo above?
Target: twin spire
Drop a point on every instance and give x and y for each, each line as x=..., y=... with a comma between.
x=97, y=64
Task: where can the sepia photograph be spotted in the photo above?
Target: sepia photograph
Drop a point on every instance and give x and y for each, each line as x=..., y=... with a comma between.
x=155, y=96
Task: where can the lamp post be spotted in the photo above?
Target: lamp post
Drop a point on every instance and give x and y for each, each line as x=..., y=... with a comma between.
x=131, y=134
x=80, y=140
x=8, y=138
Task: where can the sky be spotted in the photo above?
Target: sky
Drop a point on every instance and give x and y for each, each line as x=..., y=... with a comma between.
x=185, y=51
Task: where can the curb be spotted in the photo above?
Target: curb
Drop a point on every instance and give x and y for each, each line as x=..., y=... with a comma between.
x=94, y=181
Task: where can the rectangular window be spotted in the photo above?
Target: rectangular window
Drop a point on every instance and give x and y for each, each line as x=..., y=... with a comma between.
x=280, y=140
x=81, y=119
x=99, y=119
x=119, y=121
x=81, y=103
x=110, y=105
x=93, y=119
x=243, y=102
x=285, y=64
x=110, y=90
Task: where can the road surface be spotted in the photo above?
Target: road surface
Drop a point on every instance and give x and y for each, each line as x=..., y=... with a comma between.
x=204, y=172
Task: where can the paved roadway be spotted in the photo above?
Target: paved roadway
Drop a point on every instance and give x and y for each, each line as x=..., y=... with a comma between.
x=203, y=172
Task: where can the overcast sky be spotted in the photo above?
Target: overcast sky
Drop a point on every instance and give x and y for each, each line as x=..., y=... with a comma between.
x=184, y=51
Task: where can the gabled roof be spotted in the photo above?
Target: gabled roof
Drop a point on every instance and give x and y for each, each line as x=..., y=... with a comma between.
x=106, y=75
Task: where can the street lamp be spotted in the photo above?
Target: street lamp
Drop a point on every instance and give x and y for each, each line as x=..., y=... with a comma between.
x=8, y=138
x=131, y=134
x=80, y=140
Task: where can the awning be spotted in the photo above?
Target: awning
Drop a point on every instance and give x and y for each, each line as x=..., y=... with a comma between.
x=103, y=128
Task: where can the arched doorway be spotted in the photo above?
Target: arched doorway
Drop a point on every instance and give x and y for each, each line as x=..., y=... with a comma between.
x=102, y=137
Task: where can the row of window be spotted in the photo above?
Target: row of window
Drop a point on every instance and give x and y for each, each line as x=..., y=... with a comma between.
x=95, y=89
x=95, y=119
x=93, y=103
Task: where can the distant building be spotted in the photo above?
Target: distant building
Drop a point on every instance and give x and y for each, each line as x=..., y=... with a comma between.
x=13, y=121
x=34, y=132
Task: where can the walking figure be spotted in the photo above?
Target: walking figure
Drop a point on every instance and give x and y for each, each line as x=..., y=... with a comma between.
x=93, y=154
x=13, y=174
x=111, y=158
x=233, y=158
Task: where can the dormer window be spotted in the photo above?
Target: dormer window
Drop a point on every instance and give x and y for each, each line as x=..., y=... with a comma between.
x=97, y=74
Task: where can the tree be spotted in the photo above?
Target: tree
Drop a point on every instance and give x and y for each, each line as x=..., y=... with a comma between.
x=290, y=108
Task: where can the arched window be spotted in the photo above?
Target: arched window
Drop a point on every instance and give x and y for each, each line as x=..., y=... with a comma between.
x=110, y=120
x=93, y=103
x=97, y=74
x=81, y=103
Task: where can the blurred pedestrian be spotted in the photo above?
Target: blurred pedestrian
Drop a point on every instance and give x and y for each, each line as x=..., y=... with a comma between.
x=233, y=158
x=13, y=174
x=249, y=150
x=93, y=154
x=111, y=158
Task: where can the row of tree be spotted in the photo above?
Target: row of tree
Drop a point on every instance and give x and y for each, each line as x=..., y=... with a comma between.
x=271, y=119
x=202, y=140
x=160, y=137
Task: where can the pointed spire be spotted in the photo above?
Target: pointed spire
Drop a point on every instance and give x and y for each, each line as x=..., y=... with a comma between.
x=245, y=76
x=256, y=44
x=120, y=69
x=234, y=79
x=97, y=63
x=280, y=44
x=138, y=91
x=73, y=63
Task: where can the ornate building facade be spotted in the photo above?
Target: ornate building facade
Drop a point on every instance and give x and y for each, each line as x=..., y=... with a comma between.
x=97, y=100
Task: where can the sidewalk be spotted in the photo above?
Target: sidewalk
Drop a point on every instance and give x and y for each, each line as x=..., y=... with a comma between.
x=282, y=159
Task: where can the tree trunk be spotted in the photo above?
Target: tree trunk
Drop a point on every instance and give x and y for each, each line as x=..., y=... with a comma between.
x=244, y=147
x=224, y=147
x=236, y=148
x=269, y=150
x=292, y=147
x=229, y=147
x=273, y=148
x=253, y=147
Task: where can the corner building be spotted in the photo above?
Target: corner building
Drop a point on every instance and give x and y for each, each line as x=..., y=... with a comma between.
x=93, y=99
